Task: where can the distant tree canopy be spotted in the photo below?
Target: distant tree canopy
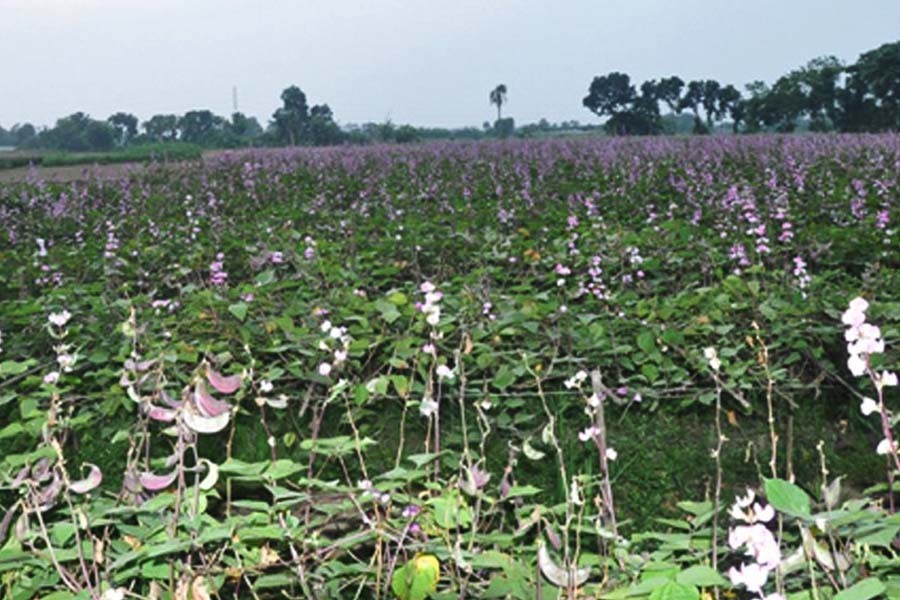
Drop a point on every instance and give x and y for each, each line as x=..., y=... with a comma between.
x=76, y=133
x=824, y=95
x=295, y=123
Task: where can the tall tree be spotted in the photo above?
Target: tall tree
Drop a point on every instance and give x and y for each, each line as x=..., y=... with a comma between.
x=23, y=134
x=668, y=90
x=872, y=102
x=290, y=120
x=693, y=99
x=730, y=103
x=162, y=128
x=498, y=98
x=125, y=125
x=611, y=95
x=200, y=127
x=321, y=127
x=243, y=127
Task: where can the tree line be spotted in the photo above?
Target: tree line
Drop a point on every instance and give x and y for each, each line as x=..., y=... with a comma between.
x=295, y=122
x=824, y=95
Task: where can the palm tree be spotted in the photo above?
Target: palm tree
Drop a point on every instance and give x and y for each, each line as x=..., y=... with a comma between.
x=498, y=97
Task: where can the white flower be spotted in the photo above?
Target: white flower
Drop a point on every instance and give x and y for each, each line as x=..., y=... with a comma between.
x=856, y=365
x=853, y=318
x=884, y=447
x=324, y=369
x=576, y=380
x=428, y=406
x=886, y=379
x=588, y=434
x=611, y=454
x=65, y=362
x=265, y=386
x=325, y=327
x=713, y=358
x=427, y=287
x=60, y=319
x=859, y=305
x=593, y=401
x=751, y=576
x=51, y=377
x=444, y=372
x=869, y=406
x=114, y=594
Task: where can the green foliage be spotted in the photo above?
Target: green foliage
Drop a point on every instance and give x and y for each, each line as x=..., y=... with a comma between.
x=460, y=437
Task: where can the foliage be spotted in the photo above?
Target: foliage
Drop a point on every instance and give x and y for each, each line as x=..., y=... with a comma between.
x=506, y=369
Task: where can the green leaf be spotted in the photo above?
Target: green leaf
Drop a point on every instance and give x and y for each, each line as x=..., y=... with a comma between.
x=865, y=589
x=11, y=367
x=503, y=378
x=646, y=342
x=388, y=310
x=787, y=497
x=239, y=310
x=701, y=576
x=416, y=579
x=675, y=591
x=523, y=490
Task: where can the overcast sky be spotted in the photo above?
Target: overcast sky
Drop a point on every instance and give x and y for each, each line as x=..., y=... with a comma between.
x=424, y=62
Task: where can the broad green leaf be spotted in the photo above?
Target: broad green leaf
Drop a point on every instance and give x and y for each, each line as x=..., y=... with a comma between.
x=864, y=590
x=239, y=310
x=787, y=497
x=675, y=591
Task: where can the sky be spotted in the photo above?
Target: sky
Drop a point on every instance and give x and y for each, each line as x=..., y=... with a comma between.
x=423, y=62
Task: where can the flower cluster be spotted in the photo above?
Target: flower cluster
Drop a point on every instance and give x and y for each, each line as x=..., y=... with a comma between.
x=64, y=359
x=863, y=339
x=310, y=252
x=431, y=308
x=801, y=275
x=758, y=542
x=217, y=274
x=337, y=343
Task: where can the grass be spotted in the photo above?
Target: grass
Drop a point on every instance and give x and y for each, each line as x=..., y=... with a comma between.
x=176, y=151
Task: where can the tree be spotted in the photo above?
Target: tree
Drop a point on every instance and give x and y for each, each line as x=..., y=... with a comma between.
x=611, y=95
x=871, y=101
x=290, y=120
x=125, y=126
x=23, y=134
x=498, y=97
x=731, y=103
x=821, y=80
x=244, y=128
x=201, y=127
x=162, y=128
x=710, y=102
x=99, y=135
x=669, y=91
x=321, y=128
x=693, y=98
x=504, y=127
